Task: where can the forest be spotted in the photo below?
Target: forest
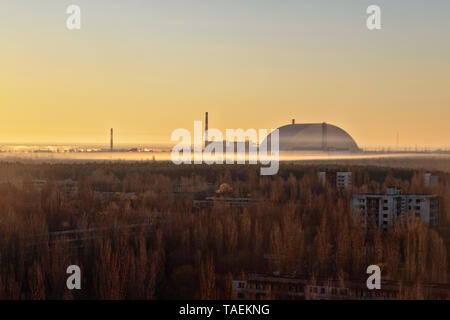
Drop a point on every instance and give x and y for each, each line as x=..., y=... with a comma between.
x=147, y=239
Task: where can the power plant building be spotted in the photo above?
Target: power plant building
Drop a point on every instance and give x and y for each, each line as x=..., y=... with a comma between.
x=306, y=137
x=314, y=136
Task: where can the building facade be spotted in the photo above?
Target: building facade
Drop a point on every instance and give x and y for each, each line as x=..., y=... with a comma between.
x=430, y=180
x=385, y=209
x=283, y=287
x=340, y=180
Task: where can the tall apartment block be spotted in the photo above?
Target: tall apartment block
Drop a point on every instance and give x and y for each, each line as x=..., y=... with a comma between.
x=385, y=209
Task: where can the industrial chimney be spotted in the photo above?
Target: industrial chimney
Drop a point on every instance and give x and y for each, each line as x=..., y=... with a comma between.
x=293, y=121
x=206, y=129
x=112, y=140
x=324, y=136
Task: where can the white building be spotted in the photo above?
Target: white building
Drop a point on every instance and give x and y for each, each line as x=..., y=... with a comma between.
x=343, y=179
x=386, y=208
x=340, y=180
x=430, y=181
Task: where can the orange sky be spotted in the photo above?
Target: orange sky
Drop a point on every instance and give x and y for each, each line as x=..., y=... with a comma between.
x=146, y=73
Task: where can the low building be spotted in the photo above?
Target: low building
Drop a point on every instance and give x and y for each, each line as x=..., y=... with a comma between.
x=385, y=209
x=303, y=287
x=193, y=190
x=228, y=201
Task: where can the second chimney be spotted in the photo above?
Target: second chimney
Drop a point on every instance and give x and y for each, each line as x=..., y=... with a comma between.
x=206, y=129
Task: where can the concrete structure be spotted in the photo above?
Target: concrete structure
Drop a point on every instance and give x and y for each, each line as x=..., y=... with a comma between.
x=385, y=209
x=324, y=136
x=340, y=180
x=430, y=181
x=227, y=201
x=194, y=191
x=206, y=129
x=302, y=287
x=112, y=140
x=315, y=136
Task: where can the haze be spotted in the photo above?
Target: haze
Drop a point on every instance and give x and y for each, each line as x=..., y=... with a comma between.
x=149, y=67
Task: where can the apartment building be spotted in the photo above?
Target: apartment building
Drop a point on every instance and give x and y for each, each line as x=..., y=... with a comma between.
x=385, y=209
x=340, y=180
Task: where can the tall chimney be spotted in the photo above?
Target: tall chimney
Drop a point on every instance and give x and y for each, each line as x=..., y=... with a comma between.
x=324, y=136
x=293, y=121
x=112, y=140
x=206, y=129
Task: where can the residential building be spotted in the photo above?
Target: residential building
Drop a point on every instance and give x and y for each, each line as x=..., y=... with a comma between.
x=340, y=180
x=385, y=209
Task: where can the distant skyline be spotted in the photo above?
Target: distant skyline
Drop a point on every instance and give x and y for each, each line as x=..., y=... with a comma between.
x=146, y=68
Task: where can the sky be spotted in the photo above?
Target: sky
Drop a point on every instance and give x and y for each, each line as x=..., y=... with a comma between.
x=147, y=67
